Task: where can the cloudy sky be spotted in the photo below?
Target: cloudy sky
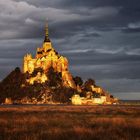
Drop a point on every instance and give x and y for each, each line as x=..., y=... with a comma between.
x=101, y=38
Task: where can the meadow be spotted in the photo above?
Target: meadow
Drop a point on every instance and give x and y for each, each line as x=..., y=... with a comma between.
x=65, y=122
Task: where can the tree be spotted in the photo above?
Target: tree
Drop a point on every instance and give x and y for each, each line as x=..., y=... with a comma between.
x=62, y=94
x=55, y=78
x=88, y=84
x=17, y=70
x=78, y=80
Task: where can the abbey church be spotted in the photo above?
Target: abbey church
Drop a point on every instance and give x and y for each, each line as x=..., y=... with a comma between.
x=47, y=57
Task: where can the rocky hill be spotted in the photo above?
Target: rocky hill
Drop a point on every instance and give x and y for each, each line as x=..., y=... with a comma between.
x=15, y=88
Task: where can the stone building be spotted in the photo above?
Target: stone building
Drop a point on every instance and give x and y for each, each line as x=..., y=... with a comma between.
x=77, y=100
x=47, y=57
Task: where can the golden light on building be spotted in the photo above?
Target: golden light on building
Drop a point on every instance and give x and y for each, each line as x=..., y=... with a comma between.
x=47, y=57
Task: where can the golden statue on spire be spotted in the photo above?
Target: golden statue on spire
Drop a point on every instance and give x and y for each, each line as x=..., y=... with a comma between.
x=47, y=31
x=46, y=34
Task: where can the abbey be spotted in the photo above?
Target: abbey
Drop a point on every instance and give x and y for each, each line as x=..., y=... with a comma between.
x=46, y=57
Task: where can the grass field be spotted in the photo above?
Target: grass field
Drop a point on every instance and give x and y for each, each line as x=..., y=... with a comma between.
x=70, y=122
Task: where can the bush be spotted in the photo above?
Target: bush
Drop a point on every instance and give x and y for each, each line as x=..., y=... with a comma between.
x=62, y=94
x=78, y=80
x=88, y=84
x=55, y=78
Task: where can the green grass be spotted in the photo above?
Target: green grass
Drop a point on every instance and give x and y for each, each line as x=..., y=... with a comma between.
x=70, y=122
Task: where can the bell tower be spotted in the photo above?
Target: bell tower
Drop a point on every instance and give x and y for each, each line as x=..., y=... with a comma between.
x=47, y=45
x=46, y=34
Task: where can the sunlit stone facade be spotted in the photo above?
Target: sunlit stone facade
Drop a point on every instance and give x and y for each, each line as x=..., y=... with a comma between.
x=47, y=57
x=96, y=89
x=77, y=100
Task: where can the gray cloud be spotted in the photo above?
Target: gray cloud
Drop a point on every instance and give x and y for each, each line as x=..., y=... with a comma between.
x=131, y=30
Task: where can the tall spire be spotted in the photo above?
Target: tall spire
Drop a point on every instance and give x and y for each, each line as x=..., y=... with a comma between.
x=46, y=34
x=47, y=31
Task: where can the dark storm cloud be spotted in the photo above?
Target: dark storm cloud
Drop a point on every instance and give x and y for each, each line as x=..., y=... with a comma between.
x=100, y=58
x=104, y=66
x=130, y=30
x=29, y=22
x=83, y=3
x=99, y=37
